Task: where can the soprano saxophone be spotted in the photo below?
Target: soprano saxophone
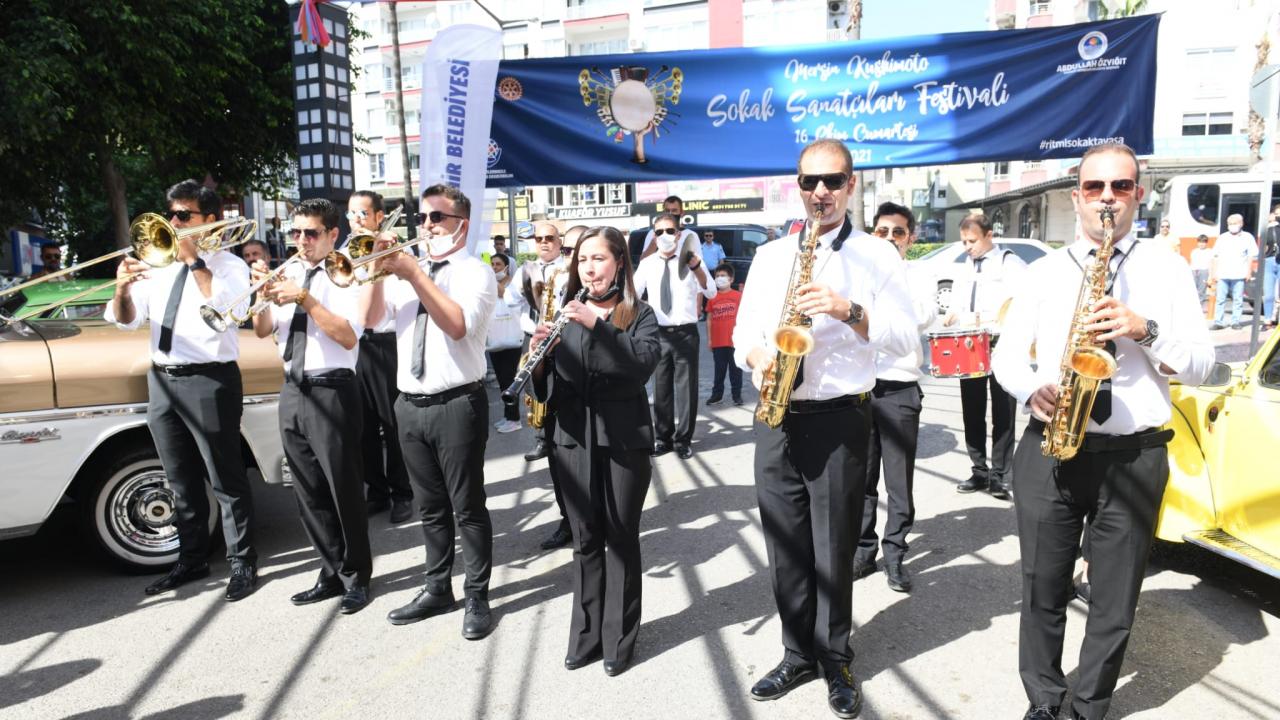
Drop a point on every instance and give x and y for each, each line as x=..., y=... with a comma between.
x=537, y=415
x=1084, y=364
x=793, y=338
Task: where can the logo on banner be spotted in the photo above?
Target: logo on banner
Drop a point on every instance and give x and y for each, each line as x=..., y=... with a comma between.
x=630, y=102
x=510, y=88
x=1091, y=49
x=1092, y=46
x=494, y=153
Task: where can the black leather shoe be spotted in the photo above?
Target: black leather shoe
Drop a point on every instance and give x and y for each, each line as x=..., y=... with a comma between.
x=373, y=507
x=973, y=484
x=478, y=621
x=614, y=668
x=897, y=576
x=1083, y=591
x=354, y=600
x=999, y=490
x=1077, y=716
x=781, y=680
x=242, y=583
x=863, y=568
x=321, y=591
x=843, y=696
x=684, y=452
x=179, y=574
x=423, y=606
x=573, y=663
x=1041, y=712
x=401, y=511
x=714, y=399
x=538, y=451
x=661, y=448
x=558, y=539
x=737, y=401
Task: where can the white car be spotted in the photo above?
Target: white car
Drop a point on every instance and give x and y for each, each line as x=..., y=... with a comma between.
x=945, y=263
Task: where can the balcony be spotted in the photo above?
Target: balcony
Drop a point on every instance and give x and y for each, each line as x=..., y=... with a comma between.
x=595, y=9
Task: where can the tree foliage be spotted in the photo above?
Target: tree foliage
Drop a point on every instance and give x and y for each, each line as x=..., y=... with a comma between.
x=147, y=91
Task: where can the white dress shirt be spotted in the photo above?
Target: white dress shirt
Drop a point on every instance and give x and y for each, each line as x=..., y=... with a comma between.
x=684, y=293
x=194, y=342
x=448, y=363
x=323, y=352
x=537, y=272
x=924, y=307
x=1234, y=253
x=1155, y=284
x=867, y=271
x=999, y=277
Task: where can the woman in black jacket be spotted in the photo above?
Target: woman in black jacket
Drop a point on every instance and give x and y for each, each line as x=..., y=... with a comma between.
x=595, y=384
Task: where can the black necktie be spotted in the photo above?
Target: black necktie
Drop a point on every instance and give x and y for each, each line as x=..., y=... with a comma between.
x=417, y=365
x=664, y=297
x=973, y=292
x=171, y=309
x=295, y=348
x=1102, y=401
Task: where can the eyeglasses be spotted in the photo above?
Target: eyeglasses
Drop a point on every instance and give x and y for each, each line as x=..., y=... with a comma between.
x=884, y=232
x=546, y=238
x=357, y=214
x=435, y=217
x=833, y=181
x=709, y=236
x=311, y=233
x=1092, y=189
x=665, y=231
x=566, y=251
x=184, y=215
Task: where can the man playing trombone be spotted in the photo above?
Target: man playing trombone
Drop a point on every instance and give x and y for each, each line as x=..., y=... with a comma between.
x=317, y=338
x=194, y=389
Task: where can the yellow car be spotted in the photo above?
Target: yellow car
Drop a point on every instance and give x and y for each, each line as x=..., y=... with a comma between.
x=1224, y=488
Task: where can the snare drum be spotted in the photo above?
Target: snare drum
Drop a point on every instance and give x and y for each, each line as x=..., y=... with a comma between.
x=960, y=353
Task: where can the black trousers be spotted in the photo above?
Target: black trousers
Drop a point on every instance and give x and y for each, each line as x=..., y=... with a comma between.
x=383, y=463
x=505, y=363
x=195, y=422
x=675, y=384
x=973, y=405
x=810, y=476
x=444, y=451
x=316, y=427
x=605, y=490
x=723, y=357
x=895, y=429
x=1119, y=493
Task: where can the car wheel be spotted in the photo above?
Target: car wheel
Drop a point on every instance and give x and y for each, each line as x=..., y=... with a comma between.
x=129, y=513
x=943, y=298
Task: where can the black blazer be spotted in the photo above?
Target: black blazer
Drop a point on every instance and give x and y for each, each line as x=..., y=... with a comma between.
x=597, y=382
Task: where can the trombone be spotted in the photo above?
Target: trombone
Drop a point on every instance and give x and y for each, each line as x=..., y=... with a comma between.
x=154, y=241
x=222, y=320
x=362, y=241
x=343, y=271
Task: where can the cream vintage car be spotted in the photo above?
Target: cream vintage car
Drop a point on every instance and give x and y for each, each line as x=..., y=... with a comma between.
x=73, y=413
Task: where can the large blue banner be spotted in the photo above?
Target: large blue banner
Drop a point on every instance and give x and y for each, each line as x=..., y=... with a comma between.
x=926, y=100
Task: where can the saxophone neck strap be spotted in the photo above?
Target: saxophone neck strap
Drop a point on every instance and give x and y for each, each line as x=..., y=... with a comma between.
x=845, y=231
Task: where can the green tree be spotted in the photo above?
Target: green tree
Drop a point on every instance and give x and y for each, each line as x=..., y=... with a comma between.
x=106, y=102
x=1122, y=9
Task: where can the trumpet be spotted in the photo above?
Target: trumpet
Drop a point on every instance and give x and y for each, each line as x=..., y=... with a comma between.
x=362, y=240
x=222, y=320
x=343, y=271
x=154, y=241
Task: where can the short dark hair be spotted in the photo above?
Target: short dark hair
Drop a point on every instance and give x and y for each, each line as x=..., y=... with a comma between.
x=1112, y=148
x=499, y=256
x=497, y=238
x=892, y=208
x=674, y=199
x=461, y=204
x=321, y=208
x=982, y=222
x=666, y=216
x=829, y=145
x=205, y=198
x=1202, y=239
x=254, y=241
x=724, y=268
x=375, y=199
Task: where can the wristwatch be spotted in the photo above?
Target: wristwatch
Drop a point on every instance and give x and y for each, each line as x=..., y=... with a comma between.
x=855, y=314
x=199, y=264
x=1153, y=332
x=303, y=294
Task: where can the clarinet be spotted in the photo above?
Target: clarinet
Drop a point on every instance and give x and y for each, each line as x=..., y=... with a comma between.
x=537, y=356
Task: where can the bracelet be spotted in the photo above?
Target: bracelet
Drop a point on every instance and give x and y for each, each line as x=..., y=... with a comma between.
x=302, y=296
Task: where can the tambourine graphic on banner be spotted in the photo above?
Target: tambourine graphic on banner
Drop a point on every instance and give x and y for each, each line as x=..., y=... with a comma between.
x=629, y=102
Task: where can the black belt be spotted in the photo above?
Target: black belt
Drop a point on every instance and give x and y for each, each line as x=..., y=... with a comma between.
x=378, y=335
x=191, y=368
x=891, y=385
x=1099, y=442
x=440, y=398
x=813, y=407
x=328, y=378
x=673, y=328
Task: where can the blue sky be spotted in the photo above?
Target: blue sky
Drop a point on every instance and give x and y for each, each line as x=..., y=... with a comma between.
x=892, y=18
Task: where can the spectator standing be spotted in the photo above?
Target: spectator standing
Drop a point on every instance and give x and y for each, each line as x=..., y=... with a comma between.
x=722, y=315
x=1201, y=265
x=1233, y=257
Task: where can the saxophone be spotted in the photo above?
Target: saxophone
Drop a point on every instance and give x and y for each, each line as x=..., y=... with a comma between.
x=793, y=338
x=1084, y=364
x=537, y=415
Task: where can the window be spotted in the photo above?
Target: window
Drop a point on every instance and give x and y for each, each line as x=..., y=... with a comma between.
x=317, y=135
x=346, y=137
x=1041, y=7
x=374, y=120
x=333, y=136
x=314, y=90
x=332, y=116
x=313, y=70
x=302, y=117
x=300, y=72
x=377, y=165
x=302, y=137
x=1270, y=373
x=346, y=163
x=1206, y=123
x=1000, y=169
x=344, y=119
x=317, y=160
x=340, y=30
x=1202, y=201
x=328, y=72
x=342, y=75
x=751, y=241
x=305, y=162
x=335, y=161
x=315, y=116
x=306, y=181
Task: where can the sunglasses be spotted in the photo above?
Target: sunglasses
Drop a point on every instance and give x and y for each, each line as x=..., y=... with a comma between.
x=566, y=251
x=546, y=238
x=1093, y=189
x=665, y=231
x=435, y=217
x=357, y=214
x=185, y=215
x=833, y=181
x=311, y=233
x=884, y=232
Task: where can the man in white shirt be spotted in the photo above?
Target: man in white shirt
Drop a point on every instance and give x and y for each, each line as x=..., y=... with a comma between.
x=194, y=389
x=811, y=470
x=674, y=206
x=895, y=418
x=384, y=471
x=442, y=305
x=1150, y=318
x=991, y=276
x=674, y=284
x=1233, y=256
x=318, y=342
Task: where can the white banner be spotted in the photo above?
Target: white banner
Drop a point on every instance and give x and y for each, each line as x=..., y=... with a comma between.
x=458, y=78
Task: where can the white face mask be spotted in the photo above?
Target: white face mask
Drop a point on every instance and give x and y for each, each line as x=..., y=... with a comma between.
x=722, y=282
x=438, y=245
x=666, y=243
x=1234, y=228
x=500, y=274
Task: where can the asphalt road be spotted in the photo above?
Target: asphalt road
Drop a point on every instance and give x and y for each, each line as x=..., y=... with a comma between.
x=79, y=640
